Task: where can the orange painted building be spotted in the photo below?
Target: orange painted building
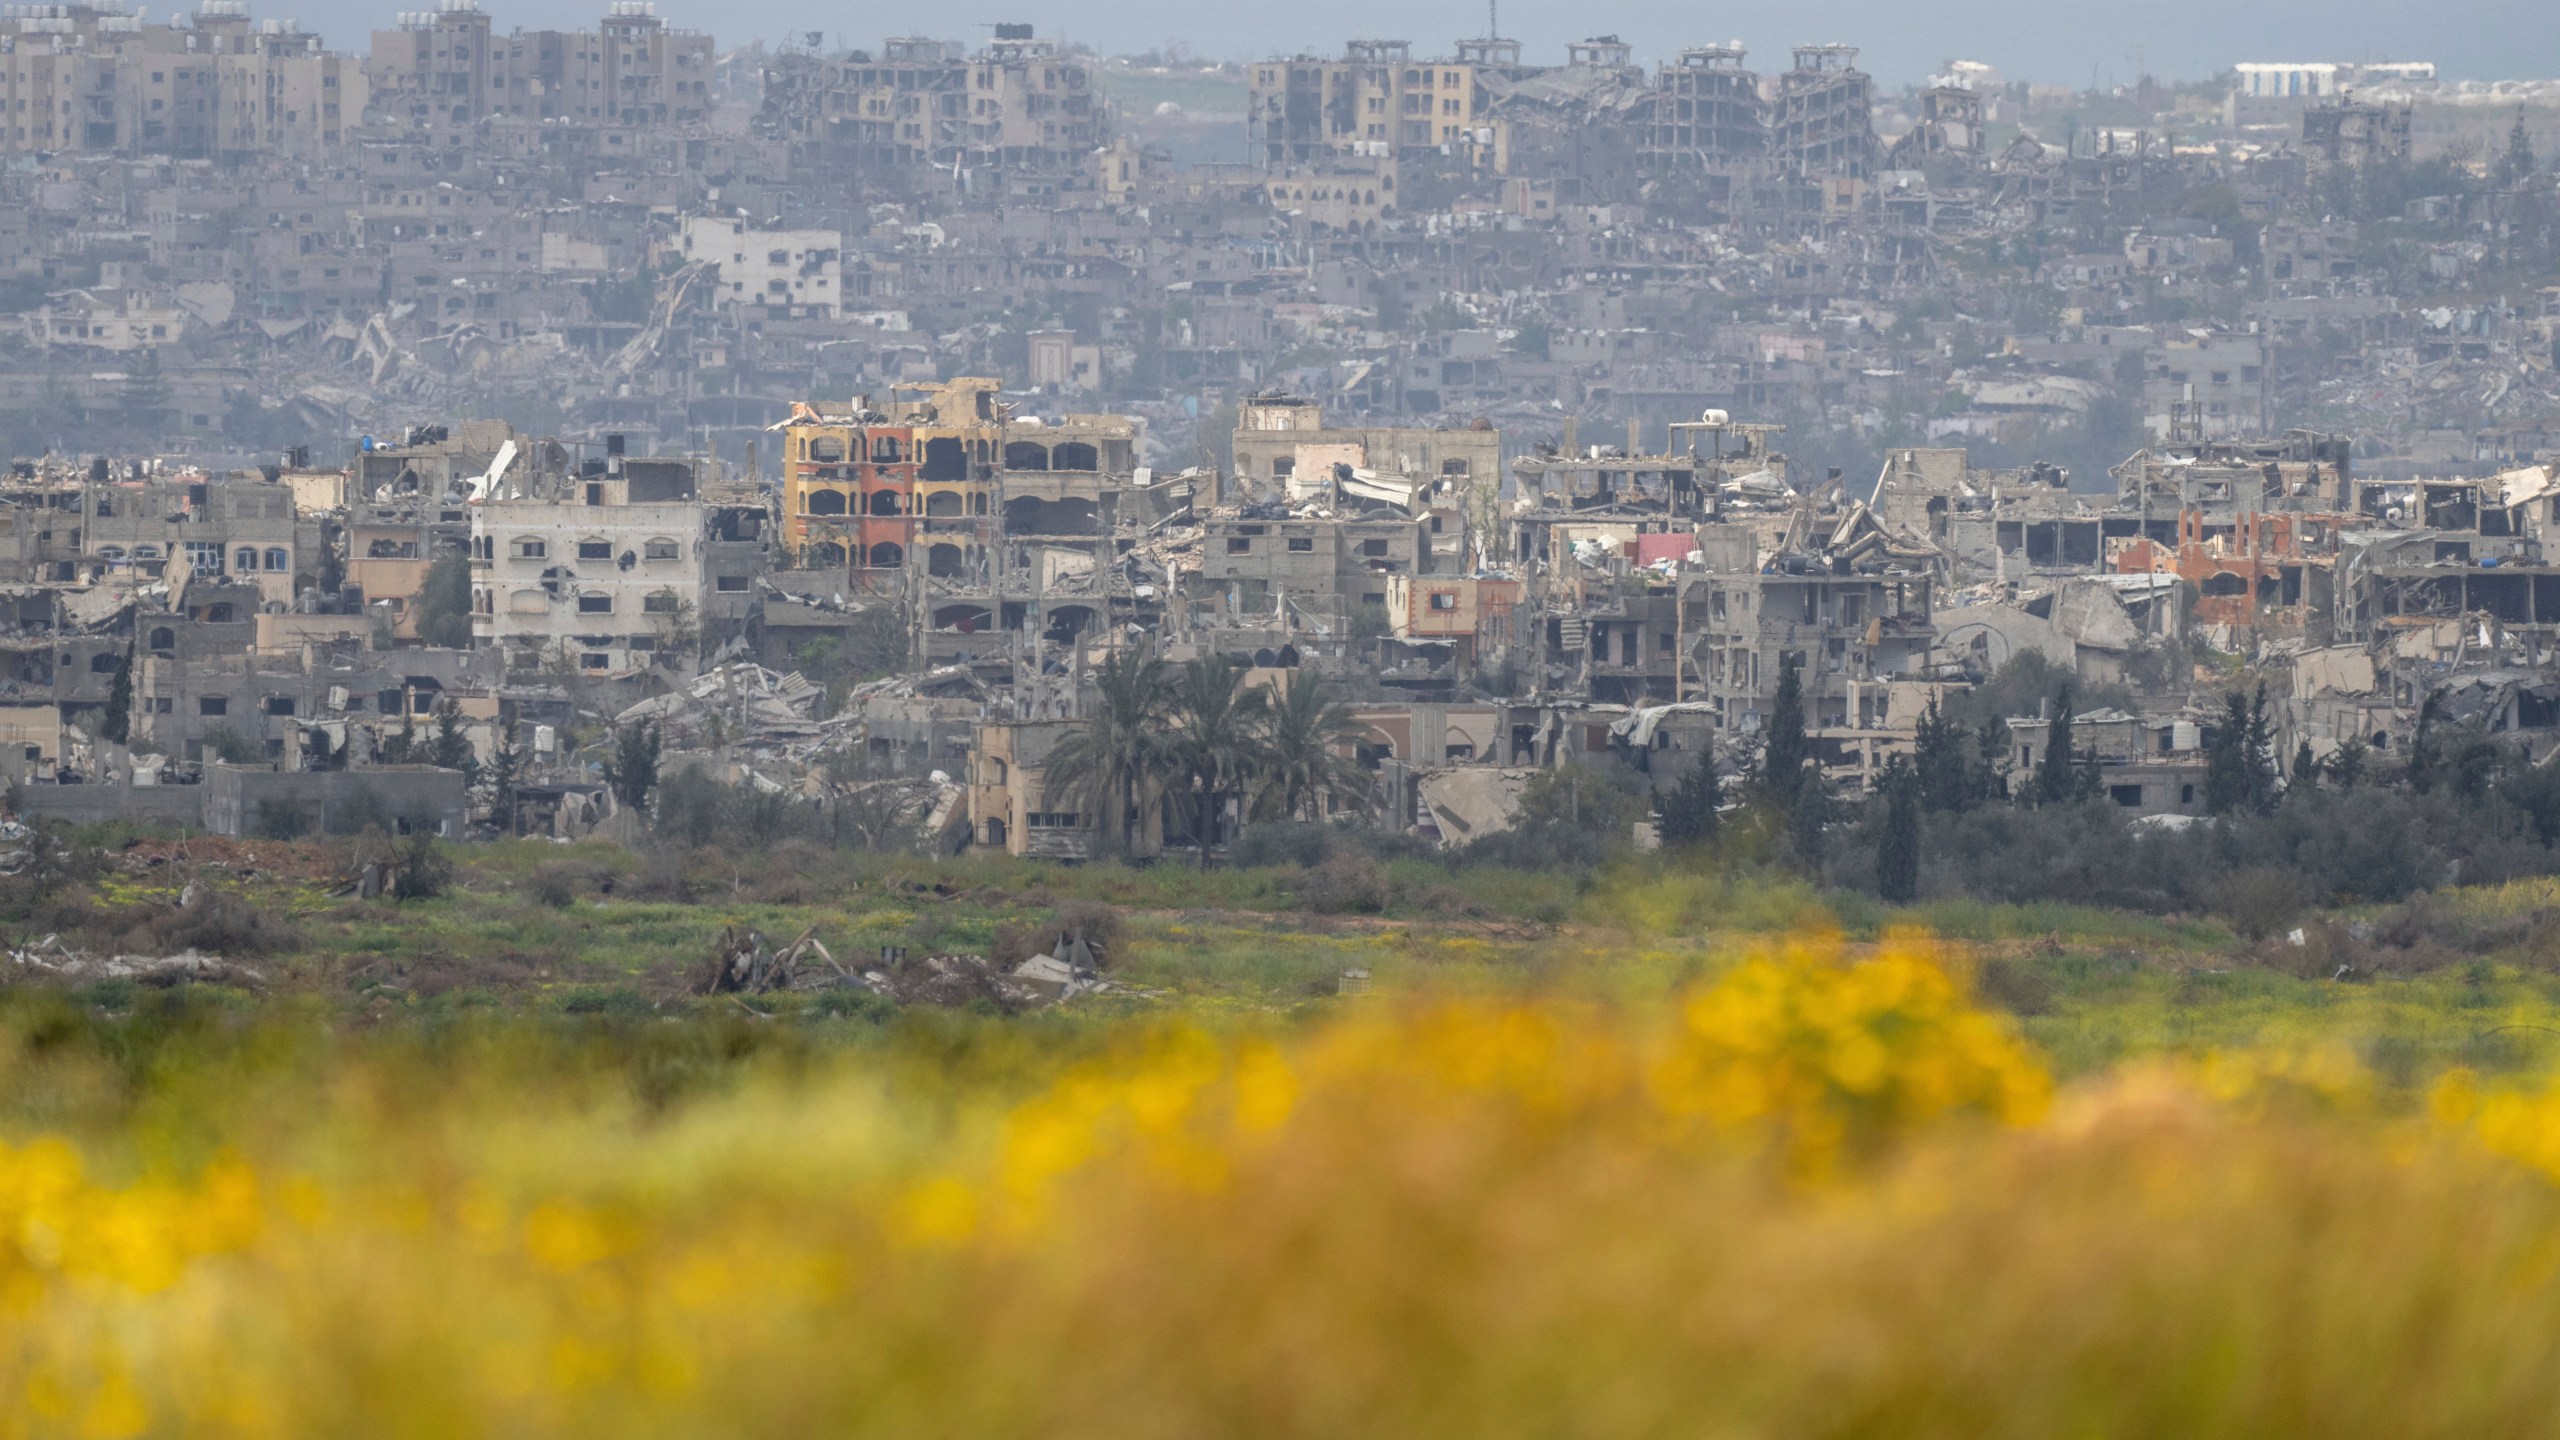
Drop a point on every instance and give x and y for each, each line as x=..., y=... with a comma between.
x=877, y=491
x=2268, y=560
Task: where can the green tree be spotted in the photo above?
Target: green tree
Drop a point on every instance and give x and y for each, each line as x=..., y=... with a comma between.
x=1586, y=812
x=1947, y=782
x=2226, y=764
x=1788, y=779
x=2516, y=163
x=422, y=873
x=2057, y=781
x=1784, y=752
x=401, y=748
x=2425, y=743
x=444, y=603
x=631, y=765
x=2259, y=753
x=1688, y=815
x=1121, y=758
x=147, y=398
x=1218, y=737
x=1304, y=735
x=2306, y=769
x=231, y=747
x=1898, y=848
x=1991, y=757
x=506, y=762
x=450, y=747
x=117, y=723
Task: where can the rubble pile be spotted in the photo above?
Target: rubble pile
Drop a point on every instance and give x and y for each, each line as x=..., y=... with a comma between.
x=52, y=961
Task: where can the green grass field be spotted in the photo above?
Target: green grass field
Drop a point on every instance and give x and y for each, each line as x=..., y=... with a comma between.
x=1635, y=1153
x=535, y=928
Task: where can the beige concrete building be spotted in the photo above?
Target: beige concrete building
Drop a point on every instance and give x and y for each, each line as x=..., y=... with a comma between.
x=1011, y=807
x=609, y=568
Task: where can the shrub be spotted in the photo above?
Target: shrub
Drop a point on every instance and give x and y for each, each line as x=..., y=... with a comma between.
x=218, y=922
x=559, y=883
x=2258, y=900
x=1345, y=884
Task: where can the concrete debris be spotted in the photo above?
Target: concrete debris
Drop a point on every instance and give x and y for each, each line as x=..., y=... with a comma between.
x=51, y=960
x=743, y=963
x=953, y=981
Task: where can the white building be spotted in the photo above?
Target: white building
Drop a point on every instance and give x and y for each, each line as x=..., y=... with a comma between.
x=611, y=567
x=793, y=270
x=2297, y=80
x=2271, y=92
x=114, y=320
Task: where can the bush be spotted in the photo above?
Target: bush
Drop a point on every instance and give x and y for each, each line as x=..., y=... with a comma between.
x=698, y=812
x=1271, y=843
x=217, y=922
x=423, y=871
x=559, y=883
x=1346, y=884
x=2258, y=900
x=663, y=875
x=280, y=820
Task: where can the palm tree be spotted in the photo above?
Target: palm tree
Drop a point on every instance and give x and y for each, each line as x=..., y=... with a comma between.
x=1303, y=734
x=1218, y=734
x=1125, y=752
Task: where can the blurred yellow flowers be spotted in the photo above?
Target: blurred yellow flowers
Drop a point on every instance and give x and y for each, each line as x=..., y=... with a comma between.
x=1817, y=1196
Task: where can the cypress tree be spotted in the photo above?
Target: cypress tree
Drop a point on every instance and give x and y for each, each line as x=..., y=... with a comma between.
x=2516, y=164
x=2226, y=764
x=451, y=748
x=118, y=724
x=2422, y=745
x=1687, y=816
x=1938, y=763
x=2260, y=754
x=631, y=766
x=1991, y=752
x=2057, y=780
x=1787, y=776
x=505, y=762
x=1783, y=751
x=1898, y=849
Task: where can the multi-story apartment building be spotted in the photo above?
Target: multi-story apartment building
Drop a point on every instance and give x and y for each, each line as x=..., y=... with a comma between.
x=1030, y=108
x=605, y=565
x=1373, y=99
x=1283, y=439
x=433, y=72
x=899, y=108
x=275, y=90
x=241, y=530
x=1823, y=123
x=1707, y=112
x=95, y=79
x=799, y=272
x=872, y=489
x=443, y=69
x=1018, y=107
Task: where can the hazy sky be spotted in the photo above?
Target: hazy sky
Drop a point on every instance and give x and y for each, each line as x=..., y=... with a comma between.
x=2063, y=42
